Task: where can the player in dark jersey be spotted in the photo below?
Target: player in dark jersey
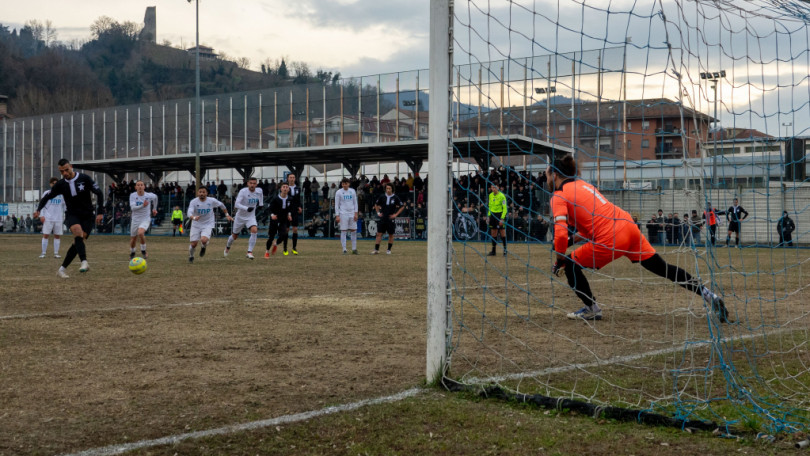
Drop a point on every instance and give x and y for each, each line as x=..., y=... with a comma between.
x=281, y=215
x=735, y=214
x=295, y=196
x=388, y=208
x=78, y=190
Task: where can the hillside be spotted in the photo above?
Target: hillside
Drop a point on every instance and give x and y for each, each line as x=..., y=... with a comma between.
x=116, y=68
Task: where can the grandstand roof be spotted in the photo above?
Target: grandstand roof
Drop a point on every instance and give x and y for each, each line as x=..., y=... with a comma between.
x=351, y=155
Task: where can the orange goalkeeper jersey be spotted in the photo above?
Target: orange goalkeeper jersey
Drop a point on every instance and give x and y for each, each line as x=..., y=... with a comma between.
x=578, y=204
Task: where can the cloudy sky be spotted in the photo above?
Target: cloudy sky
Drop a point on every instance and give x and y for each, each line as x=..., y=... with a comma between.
x=355, y=37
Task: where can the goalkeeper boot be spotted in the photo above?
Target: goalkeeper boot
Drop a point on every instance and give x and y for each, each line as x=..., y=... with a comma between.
x=719, y=308
x=586, y=313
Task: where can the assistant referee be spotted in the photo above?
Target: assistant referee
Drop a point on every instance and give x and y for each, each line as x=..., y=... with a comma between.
x=497, y=214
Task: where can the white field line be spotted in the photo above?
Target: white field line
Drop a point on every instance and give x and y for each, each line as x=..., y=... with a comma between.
x=619, y=359
x=287, y=419
x=62, y=313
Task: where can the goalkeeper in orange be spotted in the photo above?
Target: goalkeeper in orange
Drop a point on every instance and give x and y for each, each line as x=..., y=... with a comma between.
x=610, y=234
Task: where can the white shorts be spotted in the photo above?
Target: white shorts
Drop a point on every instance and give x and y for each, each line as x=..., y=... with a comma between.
x=52, y=227
x=241, y=222
x=195, y=233
x=347, y=222
x=135, y=225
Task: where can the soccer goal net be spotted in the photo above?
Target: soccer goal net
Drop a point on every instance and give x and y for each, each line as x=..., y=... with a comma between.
x=691, y=116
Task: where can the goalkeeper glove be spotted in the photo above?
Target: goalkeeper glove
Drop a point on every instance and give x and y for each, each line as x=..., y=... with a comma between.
x=250, y=209
x=558, y=266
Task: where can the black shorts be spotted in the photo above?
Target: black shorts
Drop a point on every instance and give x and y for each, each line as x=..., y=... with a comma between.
x=734, y=227
x=86, y=222
x=386, y=225
x=295, y=217
x=277, y=227
x=495, y=223
x=177, y=222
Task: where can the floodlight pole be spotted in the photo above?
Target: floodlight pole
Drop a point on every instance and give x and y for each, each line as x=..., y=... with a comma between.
x=197, y=130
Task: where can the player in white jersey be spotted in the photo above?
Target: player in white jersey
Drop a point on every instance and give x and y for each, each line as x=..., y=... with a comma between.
x=201, y=213
x=53, y=219
x=346, y=214
x=247, y=203
x=143, y=205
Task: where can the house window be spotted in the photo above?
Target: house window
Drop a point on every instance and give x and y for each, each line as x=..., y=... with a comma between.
x=561, y=128
x=645, y=143
x=629, y=126
x=645, y=125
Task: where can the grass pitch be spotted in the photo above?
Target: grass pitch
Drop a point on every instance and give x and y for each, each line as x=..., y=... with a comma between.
x=109, y=357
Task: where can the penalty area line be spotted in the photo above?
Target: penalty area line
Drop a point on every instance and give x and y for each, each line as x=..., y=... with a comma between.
x=286, y=419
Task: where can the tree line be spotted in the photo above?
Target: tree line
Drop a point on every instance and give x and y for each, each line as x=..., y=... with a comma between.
x=42, y=75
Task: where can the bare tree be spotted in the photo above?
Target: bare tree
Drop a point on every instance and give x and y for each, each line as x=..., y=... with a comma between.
x=50, y=33
x=101, y=25
x=243, y=62
x=37, y=29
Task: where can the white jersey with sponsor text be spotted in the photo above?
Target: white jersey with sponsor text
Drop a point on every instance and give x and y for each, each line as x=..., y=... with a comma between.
x=205, y=210
x=140, y=210
x=247, y=199
x=54, y=211
x=346, y=201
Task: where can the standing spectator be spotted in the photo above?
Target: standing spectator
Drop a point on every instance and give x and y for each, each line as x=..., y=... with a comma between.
x=222, y=189
x=14, y=223
x=418, y=183
x=2, y=223
x=668, y=228
x=710, y=218
x=676, y=229
x=735, y=215
x=315, y=189
x=307, y=188
x=785, y=227
x=539, y=228
x=332, y=190
x=695, y=227
x=660, y=220
x=325, y=194
x=652, y=228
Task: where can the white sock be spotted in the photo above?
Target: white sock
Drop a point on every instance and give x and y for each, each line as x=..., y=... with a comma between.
x=251, y=241
x=205, y=245
x=354, y=240
x=56, y=243
x=191, y=250
x=132, y=249
x=143, y=247
x=45, y=245
x=62, y=268
x=707, y=294
x=230, y=242
x=343, y=239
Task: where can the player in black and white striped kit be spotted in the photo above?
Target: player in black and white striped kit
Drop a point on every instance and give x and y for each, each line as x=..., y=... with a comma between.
x=78, y=190
x=281, y=215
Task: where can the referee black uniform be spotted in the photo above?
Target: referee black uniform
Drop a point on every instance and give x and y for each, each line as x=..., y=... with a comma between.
x=78, y=193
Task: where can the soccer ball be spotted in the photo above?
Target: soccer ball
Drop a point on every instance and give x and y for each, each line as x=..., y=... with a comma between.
x=137, y=265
